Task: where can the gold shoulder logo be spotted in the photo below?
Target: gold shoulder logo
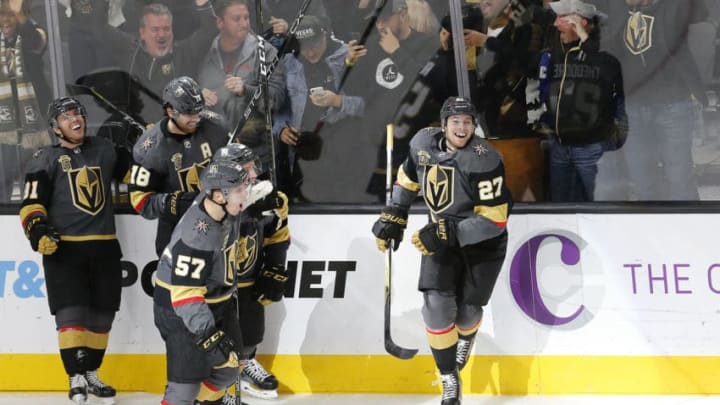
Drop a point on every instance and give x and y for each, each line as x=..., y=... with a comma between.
x=87, y=189
x=439, y=187
x=639, y=32
x=190, y=176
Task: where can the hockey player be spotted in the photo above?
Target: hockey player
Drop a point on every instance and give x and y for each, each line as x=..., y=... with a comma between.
x=261, y=278
x=170, y=156
x=462, y=180
x=196, y=279
x=67, y=215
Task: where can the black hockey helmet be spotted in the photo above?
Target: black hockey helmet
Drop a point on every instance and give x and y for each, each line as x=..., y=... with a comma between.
x=61, y=105
x=183, y=94
x=238, y=153
x=455, y=106
x=222, y=175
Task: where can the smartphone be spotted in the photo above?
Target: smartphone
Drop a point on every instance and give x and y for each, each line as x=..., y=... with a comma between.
x=316, y=91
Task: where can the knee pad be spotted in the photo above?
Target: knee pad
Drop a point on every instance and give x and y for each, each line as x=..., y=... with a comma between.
x=469, y=316
x=439, y=309
x=71, y=316
x=100, y=321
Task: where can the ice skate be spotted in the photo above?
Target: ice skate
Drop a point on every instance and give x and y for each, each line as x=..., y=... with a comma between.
x=104, y=393
x=227, y=399
x=78, y=389
x=464, y=348
x=256, y=381
x=452, y=389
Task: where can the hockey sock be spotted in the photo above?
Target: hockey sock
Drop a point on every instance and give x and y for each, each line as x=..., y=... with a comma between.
x=96, y=343
x=73, y=350
x=443, y=344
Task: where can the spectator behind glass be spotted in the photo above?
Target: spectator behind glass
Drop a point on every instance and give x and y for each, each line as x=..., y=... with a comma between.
x=229, y=75
x=347, y=17
x=22, y=88
x=660, y=75
x=582, y=89
x=395, y=55
x=314, y=125
x=154, y=58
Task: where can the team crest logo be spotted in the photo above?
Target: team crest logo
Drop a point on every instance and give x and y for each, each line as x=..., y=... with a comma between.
x=167, y=71
x=65, y=163
x=234, y=258
x=87, y=189
x=439, y=187
x=638, y=33
x=189, y=178
x=252, y=251
x=480, y=149
x=423, y=158
x=147, y=144
x=387, y=74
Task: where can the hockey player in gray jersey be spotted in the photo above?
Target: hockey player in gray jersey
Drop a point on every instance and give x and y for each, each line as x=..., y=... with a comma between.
x=261, y=278
x=196, y=280
x=67, y=215
x=170, y=156
x=462, y=180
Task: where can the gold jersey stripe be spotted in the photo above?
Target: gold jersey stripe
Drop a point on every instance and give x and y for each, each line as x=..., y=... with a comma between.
x=84, y=238
x=189, y=292
x=404, y=181
x=442, y=339
x=497, y=214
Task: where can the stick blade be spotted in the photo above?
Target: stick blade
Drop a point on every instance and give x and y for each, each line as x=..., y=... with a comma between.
x=399, y=352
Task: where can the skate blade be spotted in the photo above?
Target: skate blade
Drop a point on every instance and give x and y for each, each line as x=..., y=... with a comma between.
x=257, y=392
x=93, y=400
x=79, y=399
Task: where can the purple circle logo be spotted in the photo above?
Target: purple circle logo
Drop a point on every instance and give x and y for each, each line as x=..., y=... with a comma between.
x=549, y=276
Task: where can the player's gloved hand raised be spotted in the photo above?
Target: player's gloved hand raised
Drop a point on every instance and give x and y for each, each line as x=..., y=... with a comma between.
x=43, y=236
x=390, y=226
x=272, y=201
x=220, y=349
x=270, y=285
x=434, y=236
x=177, y=203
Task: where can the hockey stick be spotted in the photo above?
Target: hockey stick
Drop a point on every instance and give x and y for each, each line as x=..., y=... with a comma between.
x=77, y=89
x=390, y=346
x=267, y=70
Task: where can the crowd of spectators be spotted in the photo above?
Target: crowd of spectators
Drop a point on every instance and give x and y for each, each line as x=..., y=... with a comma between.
x=355, y=66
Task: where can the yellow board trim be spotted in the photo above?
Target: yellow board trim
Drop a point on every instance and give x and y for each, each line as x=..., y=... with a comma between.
x=380, y=373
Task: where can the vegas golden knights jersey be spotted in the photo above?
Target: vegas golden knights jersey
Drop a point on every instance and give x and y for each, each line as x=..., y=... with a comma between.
x=71, y=187
x=465, y=186
x=166, y=162
x=196, y=275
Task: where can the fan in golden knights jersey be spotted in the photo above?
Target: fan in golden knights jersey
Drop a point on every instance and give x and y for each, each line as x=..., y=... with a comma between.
x=261, y=278
x=196, y=278
x=170, y=156
x=462, y=180
x=67, y=215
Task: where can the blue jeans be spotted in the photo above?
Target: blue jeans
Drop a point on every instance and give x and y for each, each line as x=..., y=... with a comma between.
x=658, y=151
x=573, y=170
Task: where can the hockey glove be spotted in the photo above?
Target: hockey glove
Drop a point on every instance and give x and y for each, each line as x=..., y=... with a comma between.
x=43, y=237
x=434, y=236
x=270, y=286
x=177, y=203
x=390, y=226
x=257, y=192
x=268, y=203
x=220, y=349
